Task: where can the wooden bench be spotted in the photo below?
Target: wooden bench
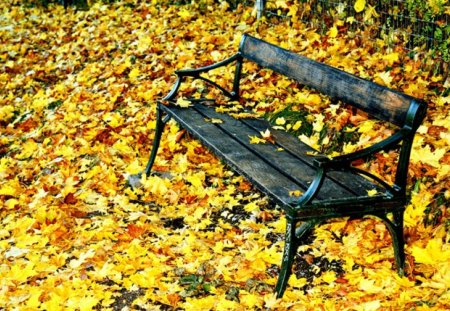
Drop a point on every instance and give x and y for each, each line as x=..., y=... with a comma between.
x=331, y=187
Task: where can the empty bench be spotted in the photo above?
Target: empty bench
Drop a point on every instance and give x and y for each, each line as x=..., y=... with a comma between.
x=331, y=187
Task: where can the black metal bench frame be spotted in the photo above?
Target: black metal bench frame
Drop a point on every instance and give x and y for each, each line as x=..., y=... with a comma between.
x=332, y=186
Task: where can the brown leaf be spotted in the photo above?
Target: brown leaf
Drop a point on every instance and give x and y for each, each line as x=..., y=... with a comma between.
x=70, y=199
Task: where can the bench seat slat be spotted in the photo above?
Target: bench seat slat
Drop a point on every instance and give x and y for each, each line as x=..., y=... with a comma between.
x=274, y=173
x=352, y=182
x=295, y=159
x=269, y=180
x=290, y=165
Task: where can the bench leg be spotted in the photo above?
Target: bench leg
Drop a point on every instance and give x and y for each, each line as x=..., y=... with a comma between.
x=292, y=240
x=160, y=123
x=399, y=241
x=395, y=228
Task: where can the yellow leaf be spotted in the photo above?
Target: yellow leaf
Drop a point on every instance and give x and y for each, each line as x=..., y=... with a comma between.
x=87, y=303
x=350, y=20
x=297, y=125
x=368, y=285
x=419, y=202
x=123, y=147
x=258, y=264
x=11, y=203
x=114, y=119
x=250, y=300
x=216, y=55
x=370, y=11
x=384, y=78
x=295, y=282
x=28, y=148
x=145, y=42
x=134, y=167
x=20, y=274
x=266, y=134
x=281, y=4
x=329, y=276
x=435, y=252
x=280, y=121
x=75, y=263
x=359, y=5
x=40, y=101
x=134, y=73
x=426, y=156
x=214, y=120
x=183, y=103
x=366, y=126
x=205, y=303
x=295, y=193
x=391, y=58
x=443, y=173
x=333, y=32
x=33, y=301
x=11, y=188
x=184, y=14
x=442, y=101
x=196, y=179
x=256, y=140
x=6, y=112
x=372, y=192
x=271, y=301
x=371, y=305
x=154, y=184
x=318, y=123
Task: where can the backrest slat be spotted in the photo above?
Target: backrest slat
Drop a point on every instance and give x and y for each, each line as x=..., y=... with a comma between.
x=379, y=101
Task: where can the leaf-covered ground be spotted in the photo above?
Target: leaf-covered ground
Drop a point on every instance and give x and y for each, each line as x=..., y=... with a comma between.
x=77, y=99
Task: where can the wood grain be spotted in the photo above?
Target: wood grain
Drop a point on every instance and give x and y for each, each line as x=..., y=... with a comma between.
x=274, y=172
x=379, y=101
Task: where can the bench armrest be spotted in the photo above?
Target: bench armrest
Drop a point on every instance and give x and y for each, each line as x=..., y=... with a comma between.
x=196, y=74
x=345, y=160
x=197, y=71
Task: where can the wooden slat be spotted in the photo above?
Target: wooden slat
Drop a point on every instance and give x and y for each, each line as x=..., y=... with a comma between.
x=352, y=182
x=379, y=101
x=290, y=165
x=265, y=177
x=274, y=173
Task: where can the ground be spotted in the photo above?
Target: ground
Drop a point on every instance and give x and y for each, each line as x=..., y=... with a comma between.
x=77, y=99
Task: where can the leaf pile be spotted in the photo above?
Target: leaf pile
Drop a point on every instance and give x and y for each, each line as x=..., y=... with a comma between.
x=77, y=99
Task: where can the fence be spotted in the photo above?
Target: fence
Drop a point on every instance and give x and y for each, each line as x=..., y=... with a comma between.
x=412, y=24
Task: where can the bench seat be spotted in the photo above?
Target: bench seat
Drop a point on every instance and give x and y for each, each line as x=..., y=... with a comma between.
x=274, y=172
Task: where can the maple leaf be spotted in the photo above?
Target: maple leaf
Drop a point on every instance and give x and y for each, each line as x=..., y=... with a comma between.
x=21, y=273
x=370, y=12
x=333, y=32
x=6, y=113
x=426, y=155
x=372, y=192
x=434, y=252
x=184, y=103
x=359, y=5
x=384, y=78
x=256, y=140
x=71, y=102
x=134, y=74
x=135, y=231
x=214, y=120
x=391, y=58
x=280, y=121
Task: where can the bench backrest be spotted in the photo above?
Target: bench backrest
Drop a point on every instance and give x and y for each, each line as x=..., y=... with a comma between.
x=379, y=101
